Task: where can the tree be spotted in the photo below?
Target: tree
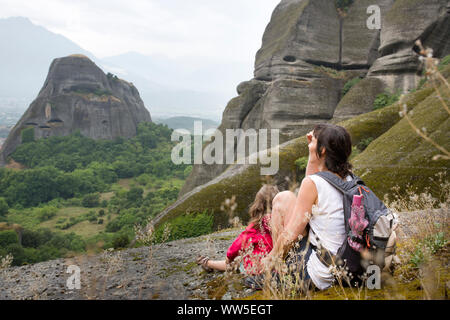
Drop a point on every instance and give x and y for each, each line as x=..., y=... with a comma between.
x=134, y=196
x=8, y=237
x=4, y=208
x=27, y=135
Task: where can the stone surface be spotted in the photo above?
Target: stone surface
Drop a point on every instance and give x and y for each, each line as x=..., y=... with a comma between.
x=77, y=95
x=406, y=21
x=359, y=43
x=359, y=99
x=296, y=84
x=299, y=31
x=297, y=79
x=397, y=156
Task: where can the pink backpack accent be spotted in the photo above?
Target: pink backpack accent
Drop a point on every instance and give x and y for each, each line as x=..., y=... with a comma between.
x=357, y=223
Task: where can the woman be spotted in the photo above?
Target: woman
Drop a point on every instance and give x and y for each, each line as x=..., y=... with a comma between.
x=318, y=204
x=255, y=238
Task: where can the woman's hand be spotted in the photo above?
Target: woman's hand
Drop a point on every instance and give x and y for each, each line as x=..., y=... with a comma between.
x=309, y=136
x=313, y=160
x=312, y=143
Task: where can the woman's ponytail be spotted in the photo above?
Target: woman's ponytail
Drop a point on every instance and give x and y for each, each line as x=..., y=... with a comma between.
x=338, y=145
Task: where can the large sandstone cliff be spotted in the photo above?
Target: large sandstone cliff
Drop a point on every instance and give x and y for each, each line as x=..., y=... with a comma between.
x=78, y=95
x=396, y=157
x=309, y=50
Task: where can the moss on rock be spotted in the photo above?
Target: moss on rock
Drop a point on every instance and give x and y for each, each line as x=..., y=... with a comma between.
x=359, y=99
x=401, y=156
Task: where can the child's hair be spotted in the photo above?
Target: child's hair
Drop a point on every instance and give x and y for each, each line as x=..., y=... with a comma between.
x=262, y=204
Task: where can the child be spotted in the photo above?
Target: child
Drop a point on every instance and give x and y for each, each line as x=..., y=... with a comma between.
x=257, y=234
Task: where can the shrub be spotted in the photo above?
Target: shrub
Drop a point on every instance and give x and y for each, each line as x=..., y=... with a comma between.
x=421, y=83
x=349, y=85
x=344, y=4
x=46, y=213
x=27, y=135
x=363, y=144
x=355, y=152
x=74, y=202
x=444, y=62
x=4, y=208
x=385, y=99
x=61, y=220
x=143, y=179
x=17, y=252
x=301, y=163
x=121, y=241
x=91, y=200
x=113, y=226
x=8, y=237
x=134, y=196
x=187, y=226
x=430, y=244
x=187, y=171
x=91, y=216
x=34, y=239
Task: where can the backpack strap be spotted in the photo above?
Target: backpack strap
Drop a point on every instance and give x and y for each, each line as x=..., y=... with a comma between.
x=325, y=256
x=340, y=184
x=344, y=187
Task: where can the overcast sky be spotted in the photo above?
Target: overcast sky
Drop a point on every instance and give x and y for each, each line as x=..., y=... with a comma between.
x=229, y=30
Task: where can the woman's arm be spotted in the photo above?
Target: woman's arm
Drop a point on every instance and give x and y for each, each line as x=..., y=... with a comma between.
x=236, y=247
x=313, y=163
x=296, y=225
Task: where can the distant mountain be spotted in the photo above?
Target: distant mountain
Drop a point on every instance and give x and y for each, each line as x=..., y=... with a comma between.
x=203, y=86
x=26, y=52
x=78, y=96
x=187, y=123
x=168, y=87
x=184, y=73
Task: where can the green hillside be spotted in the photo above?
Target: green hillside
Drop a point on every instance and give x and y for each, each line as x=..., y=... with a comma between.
x=77, y=194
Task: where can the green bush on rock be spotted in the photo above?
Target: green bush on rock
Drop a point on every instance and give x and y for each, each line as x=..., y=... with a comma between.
x=385, y=99
x=185, y=226
x=350, y=84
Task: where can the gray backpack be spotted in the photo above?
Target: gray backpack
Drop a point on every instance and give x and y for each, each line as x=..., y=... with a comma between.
x=373, y=240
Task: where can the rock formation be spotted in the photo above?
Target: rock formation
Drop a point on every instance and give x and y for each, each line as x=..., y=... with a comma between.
x=396, y=157
x=78, y=95
x=310, y=49
x=405, y=22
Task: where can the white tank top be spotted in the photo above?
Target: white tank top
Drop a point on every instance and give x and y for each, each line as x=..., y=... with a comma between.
x=327, y=222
